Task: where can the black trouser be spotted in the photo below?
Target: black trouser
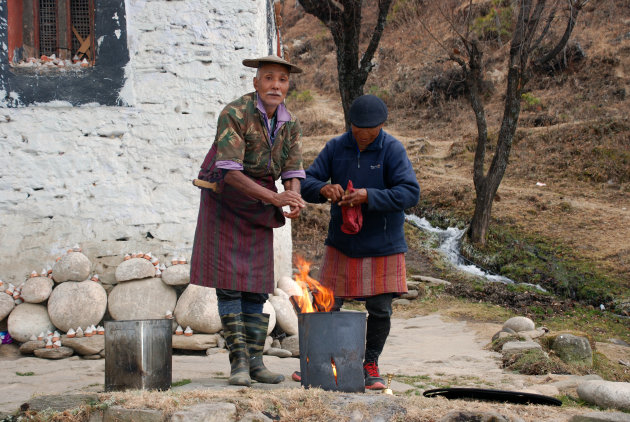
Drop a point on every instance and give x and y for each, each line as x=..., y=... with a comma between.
x=379, y=310
x=234, y=301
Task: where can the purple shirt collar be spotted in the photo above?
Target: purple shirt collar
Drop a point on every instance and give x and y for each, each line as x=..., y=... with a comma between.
x=282, y=114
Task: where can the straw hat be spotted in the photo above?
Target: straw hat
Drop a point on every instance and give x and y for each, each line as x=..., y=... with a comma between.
x=256, y=63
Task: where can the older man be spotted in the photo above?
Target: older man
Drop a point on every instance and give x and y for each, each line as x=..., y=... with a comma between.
x=257, y=141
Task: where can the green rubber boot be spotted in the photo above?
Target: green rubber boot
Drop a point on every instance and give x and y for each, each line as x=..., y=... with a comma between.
x=256, y=334
x=234, y=333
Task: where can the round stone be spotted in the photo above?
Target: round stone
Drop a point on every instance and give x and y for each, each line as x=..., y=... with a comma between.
x=176, y=275
x=286, y=318
x=141, y=299
x=197, y=308
x=77, y=304
x=134, y=269
x=519, y=324
x=37, y=289
x=28, y=319
x=6, y=305
x=73, y=266
x=268, y=309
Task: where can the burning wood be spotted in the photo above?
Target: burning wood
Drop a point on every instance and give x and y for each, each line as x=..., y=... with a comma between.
x=323, y=298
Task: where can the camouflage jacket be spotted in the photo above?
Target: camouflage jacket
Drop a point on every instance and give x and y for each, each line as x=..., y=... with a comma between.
x=243, y=141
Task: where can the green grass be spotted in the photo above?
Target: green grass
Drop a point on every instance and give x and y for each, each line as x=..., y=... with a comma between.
x=25, y=374
x=181, y=382
x=528, y=258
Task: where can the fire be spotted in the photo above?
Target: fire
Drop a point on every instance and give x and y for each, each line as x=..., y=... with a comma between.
x=334, y=368
x=323, y=298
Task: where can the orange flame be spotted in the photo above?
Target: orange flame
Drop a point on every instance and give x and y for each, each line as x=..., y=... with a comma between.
x=323, y=297
x=334, y=368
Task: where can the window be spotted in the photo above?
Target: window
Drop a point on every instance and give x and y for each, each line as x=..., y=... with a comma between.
x=66, y=28
x=41, y=29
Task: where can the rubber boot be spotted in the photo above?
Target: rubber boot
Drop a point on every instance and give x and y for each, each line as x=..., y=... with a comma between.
x=256, y=334
x=234, y=333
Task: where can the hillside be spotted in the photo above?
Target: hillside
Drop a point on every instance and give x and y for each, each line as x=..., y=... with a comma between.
x=571, y=234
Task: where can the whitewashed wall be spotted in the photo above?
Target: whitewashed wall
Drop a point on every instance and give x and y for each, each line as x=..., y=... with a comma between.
x=118, y=179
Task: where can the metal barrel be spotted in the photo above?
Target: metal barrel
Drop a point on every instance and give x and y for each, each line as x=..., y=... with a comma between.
x=332, y=347
x=138, y=354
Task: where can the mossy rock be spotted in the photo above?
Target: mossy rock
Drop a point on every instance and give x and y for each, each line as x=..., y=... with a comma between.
x=573, y=349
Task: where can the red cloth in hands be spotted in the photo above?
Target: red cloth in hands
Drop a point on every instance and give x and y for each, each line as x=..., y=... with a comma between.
x=352, y=217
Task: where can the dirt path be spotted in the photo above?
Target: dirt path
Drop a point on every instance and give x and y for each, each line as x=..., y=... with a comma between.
x=435, y=350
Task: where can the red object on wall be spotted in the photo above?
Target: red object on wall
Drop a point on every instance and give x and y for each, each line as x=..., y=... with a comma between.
x=14, y=9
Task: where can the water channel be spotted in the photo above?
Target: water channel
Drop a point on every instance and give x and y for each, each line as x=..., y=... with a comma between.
x=450, y=240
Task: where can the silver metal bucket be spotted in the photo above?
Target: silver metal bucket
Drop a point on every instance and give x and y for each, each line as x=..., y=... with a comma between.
x=138, y=354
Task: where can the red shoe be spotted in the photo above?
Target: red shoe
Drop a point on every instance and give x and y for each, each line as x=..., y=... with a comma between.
x=373, y=380
x=296, y=376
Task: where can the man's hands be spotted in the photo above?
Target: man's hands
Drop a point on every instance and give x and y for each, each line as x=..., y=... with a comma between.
x=336, y=194
x=291, y=197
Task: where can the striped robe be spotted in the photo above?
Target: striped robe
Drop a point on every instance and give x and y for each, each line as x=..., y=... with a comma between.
x=233, y=247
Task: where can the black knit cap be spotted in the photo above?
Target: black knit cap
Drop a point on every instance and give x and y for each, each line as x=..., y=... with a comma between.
x=368, y=111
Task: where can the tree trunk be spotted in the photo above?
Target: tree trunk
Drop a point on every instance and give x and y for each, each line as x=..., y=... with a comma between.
x=573, y=15
x=343, y=18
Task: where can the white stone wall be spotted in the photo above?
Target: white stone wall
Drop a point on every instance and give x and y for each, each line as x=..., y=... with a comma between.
x=118, y=179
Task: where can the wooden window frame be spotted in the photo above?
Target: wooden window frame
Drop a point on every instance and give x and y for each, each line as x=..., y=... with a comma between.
x=99, y=84
x=24, y=30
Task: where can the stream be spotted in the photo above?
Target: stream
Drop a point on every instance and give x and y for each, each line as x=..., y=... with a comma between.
x=450, y=241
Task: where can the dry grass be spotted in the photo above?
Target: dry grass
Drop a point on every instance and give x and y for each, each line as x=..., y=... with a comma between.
x=312, y=405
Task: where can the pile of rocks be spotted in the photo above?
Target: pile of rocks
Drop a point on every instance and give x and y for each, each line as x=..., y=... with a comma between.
x=522, y=336
x=69, y=299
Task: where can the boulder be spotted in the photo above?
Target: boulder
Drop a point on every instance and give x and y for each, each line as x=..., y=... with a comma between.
x=92, y=357
x=141, y=299
x=219, y=411
x=28, y=319
x=30, y=346
x=269, y=310
x=606, y=394
x=292, y=344
x=85, y=346
x=520, y=324
x=281, y=353
x=77, y=304
x=600, y=417
x=6, y=305
x=58, y=353
x=520, y=346
x=431, y=280
x=197, y=308
x=37, y=289
x=134, y=269
x=268, y=342
x=195, y=342
x=573, y=349
x=177, y=275
x=255, y=417
x=401, y=302
x=73, y=266
x=286, y=318
x=289, y=286
x=505, y=332
x=410, y=295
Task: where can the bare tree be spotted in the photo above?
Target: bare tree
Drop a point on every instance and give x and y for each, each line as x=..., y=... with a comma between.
x=533, y=24
x=343, y=19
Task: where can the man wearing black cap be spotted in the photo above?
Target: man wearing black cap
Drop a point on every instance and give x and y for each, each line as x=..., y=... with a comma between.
x=257, y=141
x=368, y=178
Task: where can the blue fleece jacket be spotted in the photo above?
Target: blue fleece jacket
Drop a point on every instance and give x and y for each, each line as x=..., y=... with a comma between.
x=384, y=169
